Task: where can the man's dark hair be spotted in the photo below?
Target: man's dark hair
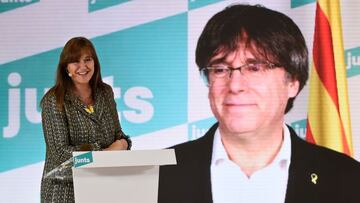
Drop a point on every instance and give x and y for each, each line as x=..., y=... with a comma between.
x=268, y=34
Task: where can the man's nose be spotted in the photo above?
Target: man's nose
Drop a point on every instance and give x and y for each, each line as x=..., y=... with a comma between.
x=237, y=81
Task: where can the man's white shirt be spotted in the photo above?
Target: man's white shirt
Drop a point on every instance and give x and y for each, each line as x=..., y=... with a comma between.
x=230, y=184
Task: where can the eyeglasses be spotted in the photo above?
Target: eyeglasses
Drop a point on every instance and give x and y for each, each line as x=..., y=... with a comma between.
x=220, y=74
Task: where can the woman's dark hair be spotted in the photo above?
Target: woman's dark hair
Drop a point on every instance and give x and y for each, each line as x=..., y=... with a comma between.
x=72, y=52
x=268, y=34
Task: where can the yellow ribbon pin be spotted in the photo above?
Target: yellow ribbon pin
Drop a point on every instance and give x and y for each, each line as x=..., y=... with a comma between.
x=314, y=178
x=89, y=109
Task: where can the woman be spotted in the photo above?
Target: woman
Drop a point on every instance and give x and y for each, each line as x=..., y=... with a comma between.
x=78, y=113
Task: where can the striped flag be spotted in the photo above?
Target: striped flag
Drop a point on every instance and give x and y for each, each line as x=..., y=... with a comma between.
x=328, y=121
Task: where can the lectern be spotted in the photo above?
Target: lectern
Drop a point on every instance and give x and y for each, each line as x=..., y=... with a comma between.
x=119, y=176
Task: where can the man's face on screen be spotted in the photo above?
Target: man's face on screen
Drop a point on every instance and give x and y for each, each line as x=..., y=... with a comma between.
x=249, y=98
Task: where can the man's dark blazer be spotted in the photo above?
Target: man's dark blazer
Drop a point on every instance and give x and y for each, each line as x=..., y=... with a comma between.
x=338, y=175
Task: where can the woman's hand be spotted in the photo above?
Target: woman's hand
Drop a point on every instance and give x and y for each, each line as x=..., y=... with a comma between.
x=117, y=145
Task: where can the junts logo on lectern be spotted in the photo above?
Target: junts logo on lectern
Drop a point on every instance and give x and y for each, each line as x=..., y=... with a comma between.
x=83, y=159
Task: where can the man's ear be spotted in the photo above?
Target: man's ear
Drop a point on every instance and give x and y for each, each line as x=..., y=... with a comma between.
x=293, y=88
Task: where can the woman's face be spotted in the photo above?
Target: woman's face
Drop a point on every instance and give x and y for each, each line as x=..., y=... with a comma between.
x=81, y=71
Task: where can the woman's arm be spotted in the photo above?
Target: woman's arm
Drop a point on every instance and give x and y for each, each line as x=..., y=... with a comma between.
x=119, y=134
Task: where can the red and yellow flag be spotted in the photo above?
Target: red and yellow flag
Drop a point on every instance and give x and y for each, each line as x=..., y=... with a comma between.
x=328, y=121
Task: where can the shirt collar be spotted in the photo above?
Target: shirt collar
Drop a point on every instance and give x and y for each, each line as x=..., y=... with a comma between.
x=282, y=159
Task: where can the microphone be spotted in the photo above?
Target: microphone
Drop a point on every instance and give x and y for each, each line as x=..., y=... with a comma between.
x=57, y=171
